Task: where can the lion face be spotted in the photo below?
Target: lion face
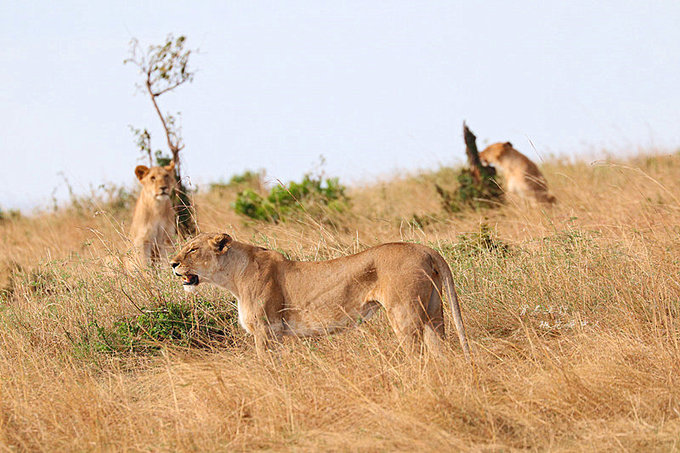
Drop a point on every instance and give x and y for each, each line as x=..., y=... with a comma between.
x=157, y=181
x=199, y=259
x=492, y=154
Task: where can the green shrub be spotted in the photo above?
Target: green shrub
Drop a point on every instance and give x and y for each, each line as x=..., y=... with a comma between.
x=471, y=193
x=107, y=197
x=8, y=279
x=181, y=324
x=12, y=214
x=247, y=179
x=282, y=201
x=474, y=244
x=112, y=198
x=250, y=204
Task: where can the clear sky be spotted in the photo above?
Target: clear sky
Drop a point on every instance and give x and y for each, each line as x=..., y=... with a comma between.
x=374, y=86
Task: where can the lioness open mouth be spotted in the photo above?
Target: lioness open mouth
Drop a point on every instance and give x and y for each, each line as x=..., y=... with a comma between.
x=190, y=280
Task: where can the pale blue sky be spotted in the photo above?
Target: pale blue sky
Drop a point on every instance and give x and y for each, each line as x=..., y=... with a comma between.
x=374, y=86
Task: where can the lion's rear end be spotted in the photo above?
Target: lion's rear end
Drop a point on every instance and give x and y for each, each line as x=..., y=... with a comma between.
x=413, y=278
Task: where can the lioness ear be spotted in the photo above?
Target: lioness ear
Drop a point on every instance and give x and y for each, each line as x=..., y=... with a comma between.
x=507, y=145
x=170, y=166
x=221, y=242
x=141, y=171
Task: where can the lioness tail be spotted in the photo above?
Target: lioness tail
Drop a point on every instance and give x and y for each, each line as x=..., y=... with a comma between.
x=452, y=296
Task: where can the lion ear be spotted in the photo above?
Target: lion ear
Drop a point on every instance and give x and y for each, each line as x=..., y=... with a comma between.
x=171, y=166
x=221, y=242
x=141, y=171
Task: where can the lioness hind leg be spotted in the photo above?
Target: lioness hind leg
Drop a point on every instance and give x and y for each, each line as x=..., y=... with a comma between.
x=417, y=314
x=433, y=330
x=407, y=315
x=435, y=312
x=433, y=340
x=409, y=333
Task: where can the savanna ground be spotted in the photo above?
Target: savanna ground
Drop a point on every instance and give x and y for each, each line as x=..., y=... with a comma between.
x=573, y=313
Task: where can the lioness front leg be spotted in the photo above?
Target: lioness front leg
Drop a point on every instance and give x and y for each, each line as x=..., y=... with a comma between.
x=164, y=249
x=144, y=253
x=264, y=332
x=265, y=337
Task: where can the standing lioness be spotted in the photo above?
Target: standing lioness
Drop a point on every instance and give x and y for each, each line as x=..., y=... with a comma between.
x=153, y=222
x=277, y=296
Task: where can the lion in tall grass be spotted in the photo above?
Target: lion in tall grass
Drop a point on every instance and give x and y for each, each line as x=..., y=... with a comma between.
x=522, y=176
x=153, y=222
x=277, y=296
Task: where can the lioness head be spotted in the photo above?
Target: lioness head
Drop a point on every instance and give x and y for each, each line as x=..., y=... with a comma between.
x=199, y=258
x=157, y=181
x=492, y=154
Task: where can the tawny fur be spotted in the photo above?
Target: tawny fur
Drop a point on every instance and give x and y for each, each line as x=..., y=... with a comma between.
x=522, y=176
x=277, y=296
x=153, y=221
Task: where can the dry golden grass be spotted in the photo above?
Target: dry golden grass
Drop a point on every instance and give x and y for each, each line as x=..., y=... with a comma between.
x=575, y=329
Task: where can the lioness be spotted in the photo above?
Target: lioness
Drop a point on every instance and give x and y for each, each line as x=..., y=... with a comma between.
x=277, y=296
x=522, y=176
x=153, y=222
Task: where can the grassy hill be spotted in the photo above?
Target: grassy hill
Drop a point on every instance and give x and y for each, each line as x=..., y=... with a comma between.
x=573, y=312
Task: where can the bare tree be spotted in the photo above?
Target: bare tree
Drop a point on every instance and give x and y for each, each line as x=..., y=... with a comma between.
x=165, y=68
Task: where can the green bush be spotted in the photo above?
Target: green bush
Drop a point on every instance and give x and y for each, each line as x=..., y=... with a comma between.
x=474, y=244
x=250, y=204
x=181, y=324
x=247, y=179
x=471, y=193
x=282, y=201
x=12, y=214
x=106, y=197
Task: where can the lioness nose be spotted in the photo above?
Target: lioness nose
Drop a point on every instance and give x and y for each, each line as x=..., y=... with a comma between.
x=164, y=187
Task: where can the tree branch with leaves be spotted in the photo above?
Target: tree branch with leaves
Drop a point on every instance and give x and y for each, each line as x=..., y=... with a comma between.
x=164, y=68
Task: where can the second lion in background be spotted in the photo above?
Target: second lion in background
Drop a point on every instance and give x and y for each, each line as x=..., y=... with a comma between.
x=522, y=176
x=153, y=222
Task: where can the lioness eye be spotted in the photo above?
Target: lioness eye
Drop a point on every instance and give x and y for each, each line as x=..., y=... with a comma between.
x=191, y=251
x=153, y=178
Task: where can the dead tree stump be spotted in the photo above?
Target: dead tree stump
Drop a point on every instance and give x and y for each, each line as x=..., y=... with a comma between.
x=477, y=186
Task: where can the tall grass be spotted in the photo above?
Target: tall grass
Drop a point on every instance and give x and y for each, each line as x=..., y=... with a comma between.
x=573, y=312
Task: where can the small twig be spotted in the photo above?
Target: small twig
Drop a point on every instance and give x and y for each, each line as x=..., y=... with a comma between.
x=132, y=301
